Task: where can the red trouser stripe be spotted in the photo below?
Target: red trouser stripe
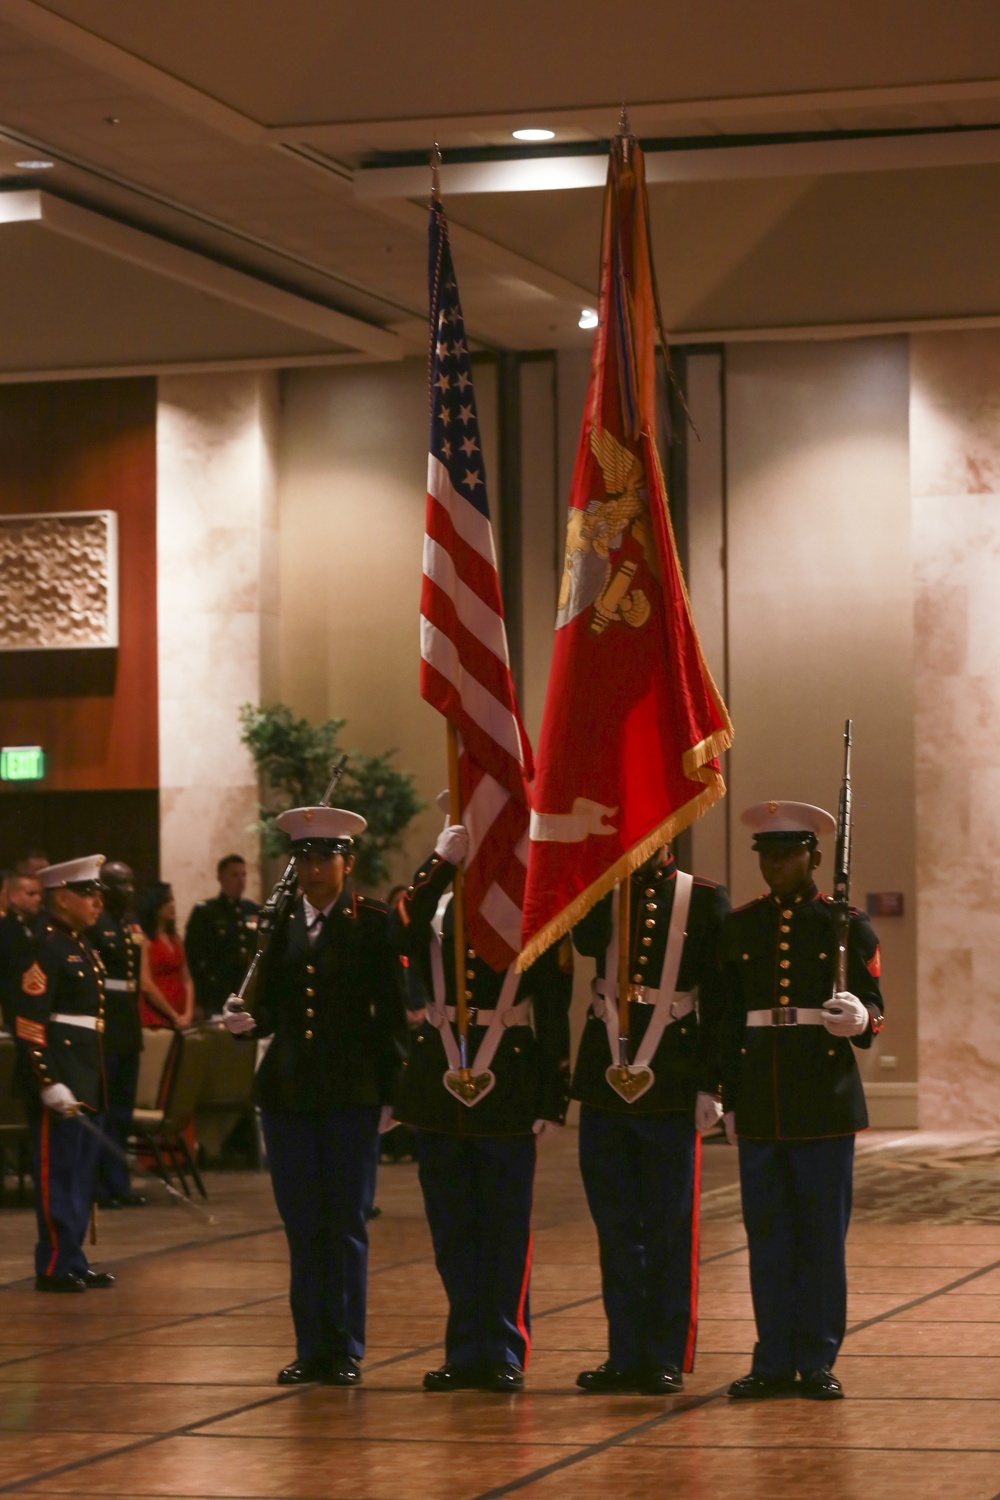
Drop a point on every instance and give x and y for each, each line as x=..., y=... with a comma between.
x=43, y=1188
x=522, y=1327
x=692, y=1336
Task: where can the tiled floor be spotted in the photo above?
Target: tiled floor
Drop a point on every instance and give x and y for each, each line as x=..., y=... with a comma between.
x=164, y=1386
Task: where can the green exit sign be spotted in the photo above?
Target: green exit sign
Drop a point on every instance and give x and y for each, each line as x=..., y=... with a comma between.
x=22, y=763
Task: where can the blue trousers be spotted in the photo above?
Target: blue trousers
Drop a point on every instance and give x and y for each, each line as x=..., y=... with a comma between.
x=121, y=1074
x=641, y=1177
x=323, y=1174
x=477, y=1193
x=64, y=1157
x=796, y=1208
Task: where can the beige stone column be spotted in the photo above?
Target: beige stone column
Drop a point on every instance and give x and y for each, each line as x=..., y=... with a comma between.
x=955, y=482
x=217, y=608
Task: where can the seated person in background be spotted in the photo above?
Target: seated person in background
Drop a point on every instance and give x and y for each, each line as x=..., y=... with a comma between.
x=167, y=990
x=221, y=937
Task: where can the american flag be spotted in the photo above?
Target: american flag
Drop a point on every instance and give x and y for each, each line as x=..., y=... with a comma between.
x=465, y=667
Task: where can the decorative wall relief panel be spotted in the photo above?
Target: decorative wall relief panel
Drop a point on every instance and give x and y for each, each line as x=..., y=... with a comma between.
x=59, y=581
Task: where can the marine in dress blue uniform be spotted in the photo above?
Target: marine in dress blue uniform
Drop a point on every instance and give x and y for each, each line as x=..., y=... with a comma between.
x=330, y=999
x=640, y=1159
x=477, y=1161
x=117, y=939
x=58, y=1021
x=794, y=1099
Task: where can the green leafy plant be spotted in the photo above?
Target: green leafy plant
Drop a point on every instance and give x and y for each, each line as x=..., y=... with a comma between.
x=294, y=759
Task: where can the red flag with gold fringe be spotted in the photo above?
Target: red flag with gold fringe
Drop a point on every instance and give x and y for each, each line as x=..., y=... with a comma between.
x=633, y=723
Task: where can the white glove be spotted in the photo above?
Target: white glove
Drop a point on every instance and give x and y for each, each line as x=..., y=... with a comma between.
x=385, y=1120
x=57, y=1097
x=453, y=843
x=707, y=1113
x=845, y=1015
x=543, y=1128
x=729, y=1120
x=236, y=1020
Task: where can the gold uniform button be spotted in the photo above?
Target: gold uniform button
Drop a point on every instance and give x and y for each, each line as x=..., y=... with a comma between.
x=67, y=1042
x=470, y=973
x=650, y=892
x=784, y=983
x=784, y=998
x=310, y=1013
x=308, y=1036
x=746, y=957
x=650, y=922
x=650, y=905
x=468, y=994
x=646, y=942
x=787, y=915
x=786, y=963
x=831, y=1052
x=310, y=969
x=822, y=955
x=644, y=958
x=784, y=947
x=636, y=978
x=786, y=929
x=743, y=1051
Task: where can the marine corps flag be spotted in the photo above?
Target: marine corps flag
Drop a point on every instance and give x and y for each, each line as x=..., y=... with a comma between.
x=633, y=722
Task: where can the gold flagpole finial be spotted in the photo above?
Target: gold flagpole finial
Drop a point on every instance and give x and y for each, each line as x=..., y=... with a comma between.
x=436, y=173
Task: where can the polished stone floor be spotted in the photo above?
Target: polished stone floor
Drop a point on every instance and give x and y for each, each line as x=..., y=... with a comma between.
x=164, y=1386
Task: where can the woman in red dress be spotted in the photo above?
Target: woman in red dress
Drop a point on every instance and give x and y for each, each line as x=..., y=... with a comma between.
x=167, y=990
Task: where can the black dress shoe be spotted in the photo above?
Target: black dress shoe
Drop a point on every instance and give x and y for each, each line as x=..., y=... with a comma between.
x=96, y=1281
x=130, y=1200
x=821, y=1385
x=666, y=1381
x=455, y=1378
x=755, y=1387
x=609, y=1378
x=342, y=1370
x=504, y=1379
x=302, y=1372
x=67, y=1283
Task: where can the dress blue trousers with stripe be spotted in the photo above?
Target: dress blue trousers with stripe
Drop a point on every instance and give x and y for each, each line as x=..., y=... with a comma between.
x=323, y=1170
x=796, y=1209
x=121, y=1075
x=64, y=1158
x=477, y=1193
x=639, y=1173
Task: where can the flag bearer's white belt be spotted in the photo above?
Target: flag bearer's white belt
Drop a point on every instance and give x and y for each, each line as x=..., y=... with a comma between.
x=785, y=1015
x=515, y=1015
x=89, y=1023
x=120, y=986
x=606, y=1009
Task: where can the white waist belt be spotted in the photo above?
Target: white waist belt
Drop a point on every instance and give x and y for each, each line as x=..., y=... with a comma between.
x=605, y=1008
x=516, y=1015
x=89, y=1023
x=120, y=986
x=785, y=1015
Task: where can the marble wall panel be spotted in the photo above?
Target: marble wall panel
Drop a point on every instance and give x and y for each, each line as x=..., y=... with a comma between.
x=955, y=483
x=217, y=614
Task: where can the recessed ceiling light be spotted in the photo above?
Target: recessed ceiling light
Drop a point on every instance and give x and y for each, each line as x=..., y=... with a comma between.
x=588, y=318
x=34, y=166
x=534, y=135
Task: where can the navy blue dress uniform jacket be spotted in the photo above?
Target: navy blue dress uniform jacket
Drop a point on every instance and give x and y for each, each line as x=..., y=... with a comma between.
x=119, y=946
x=793, y=1082
x=65, y=977
x=531, y=1064
x=17, y=934
x=335, y=1010
x=686, y=1061
x=219, y=941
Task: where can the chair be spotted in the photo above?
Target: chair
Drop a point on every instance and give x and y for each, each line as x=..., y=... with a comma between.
x=227, y=1084
x=160, y=1119
x=13, y=1120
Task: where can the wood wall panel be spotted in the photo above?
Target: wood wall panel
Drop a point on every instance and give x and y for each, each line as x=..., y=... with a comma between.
x=87, y=445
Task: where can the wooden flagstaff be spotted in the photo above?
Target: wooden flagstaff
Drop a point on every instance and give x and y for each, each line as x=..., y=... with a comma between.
x=458, y=905
x=624, y=966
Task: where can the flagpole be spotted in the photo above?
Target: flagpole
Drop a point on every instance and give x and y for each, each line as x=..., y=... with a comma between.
x=624, y=964
x=458, y=905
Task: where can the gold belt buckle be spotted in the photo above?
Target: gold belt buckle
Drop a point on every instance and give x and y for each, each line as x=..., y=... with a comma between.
x=784, y=1015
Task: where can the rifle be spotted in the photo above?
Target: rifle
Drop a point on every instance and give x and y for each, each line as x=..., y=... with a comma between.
x=842, y=870
x=281, y=900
